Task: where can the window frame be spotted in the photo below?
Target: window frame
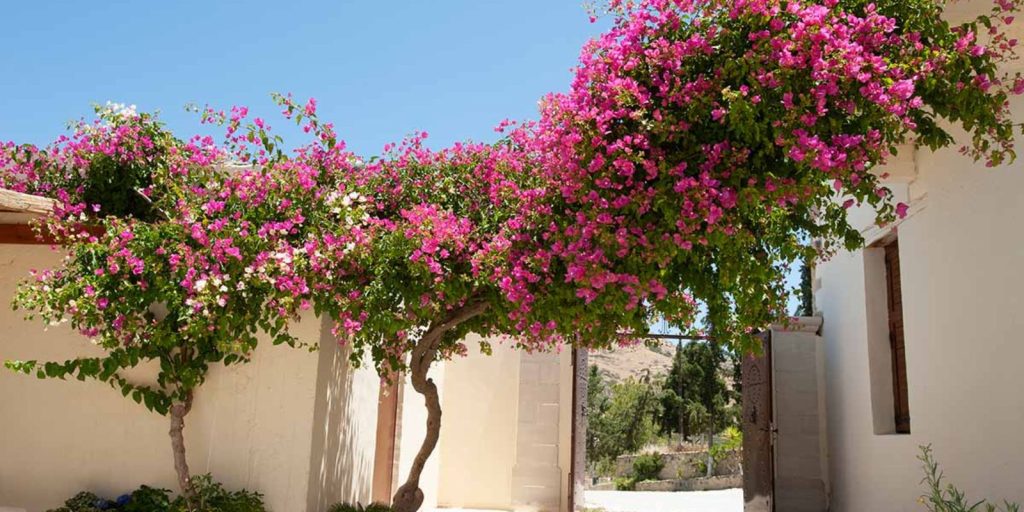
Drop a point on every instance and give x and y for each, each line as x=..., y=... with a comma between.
x=897, y=337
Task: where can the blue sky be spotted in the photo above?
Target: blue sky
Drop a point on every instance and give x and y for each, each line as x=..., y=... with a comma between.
x=379, y=70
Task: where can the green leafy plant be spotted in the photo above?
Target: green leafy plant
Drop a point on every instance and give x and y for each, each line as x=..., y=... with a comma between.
x=648, y=466
x=732, y=440
x=623, y=417
x=82, y=502
x=944, y=497
x=205, y=495
x=701, y=466
x=625, y=483
x=604, y=467
x=146, y=499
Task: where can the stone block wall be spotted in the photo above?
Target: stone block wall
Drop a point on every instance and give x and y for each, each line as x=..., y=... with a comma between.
x=682, y=465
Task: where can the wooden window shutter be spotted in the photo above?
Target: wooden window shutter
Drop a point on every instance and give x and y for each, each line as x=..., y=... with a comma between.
x=896, y=339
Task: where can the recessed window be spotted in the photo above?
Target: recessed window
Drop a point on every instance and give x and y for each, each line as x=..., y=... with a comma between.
x=887, y=353
x=897, y=347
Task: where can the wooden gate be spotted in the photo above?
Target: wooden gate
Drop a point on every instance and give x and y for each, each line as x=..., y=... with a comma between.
x=758, y=430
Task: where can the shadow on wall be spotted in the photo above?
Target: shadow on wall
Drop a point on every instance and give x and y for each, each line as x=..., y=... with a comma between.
x=344, y=428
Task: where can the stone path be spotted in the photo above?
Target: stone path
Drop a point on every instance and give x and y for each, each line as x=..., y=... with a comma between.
x=729, y=500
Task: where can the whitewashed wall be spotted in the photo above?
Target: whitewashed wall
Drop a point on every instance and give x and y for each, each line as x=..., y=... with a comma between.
x=478, y=432
x=798, y=399
x=344, y=429
x=962, y=264
x=252, y=426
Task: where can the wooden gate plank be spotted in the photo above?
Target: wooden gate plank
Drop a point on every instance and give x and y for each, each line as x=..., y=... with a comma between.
x=757, y=421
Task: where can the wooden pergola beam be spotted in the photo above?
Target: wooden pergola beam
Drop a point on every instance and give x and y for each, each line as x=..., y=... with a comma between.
x=16, y=209
x=17, y=202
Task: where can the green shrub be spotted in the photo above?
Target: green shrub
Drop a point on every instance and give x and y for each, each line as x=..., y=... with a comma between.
x=947, y=498
x=373, y=507
x=625, y=483
x=146, y=499
x=648, y=466
x=732, y=440
x=701, y=466
x=208, y=496
x=82, y=502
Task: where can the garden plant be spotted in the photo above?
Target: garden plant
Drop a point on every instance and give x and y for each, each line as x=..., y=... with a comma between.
x=171, y=255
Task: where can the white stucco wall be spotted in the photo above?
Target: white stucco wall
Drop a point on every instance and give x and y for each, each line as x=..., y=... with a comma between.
x=507, y=429
x=478, y=432
x=798, y=398
x=343, y=428
x=961, y=252
x=252, y=425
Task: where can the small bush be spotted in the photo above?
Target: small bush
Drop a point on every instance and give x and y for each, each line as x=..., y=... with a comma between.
x=648, y=466
x=86, y=502
x=947, y=498
x=701, y=466
x=625, y=483
x=209, y=496
x=145, y=499
x=373, y=507
x=732, y=441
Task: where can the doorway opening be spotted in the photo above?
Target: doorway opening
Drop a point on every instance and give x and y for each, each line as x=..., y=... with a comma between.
x=663, y=426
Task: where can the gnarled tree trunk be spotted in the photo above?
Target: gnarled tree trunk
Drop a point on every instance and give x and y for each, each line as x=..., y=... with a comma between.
x=178, y=412
x=409, y=496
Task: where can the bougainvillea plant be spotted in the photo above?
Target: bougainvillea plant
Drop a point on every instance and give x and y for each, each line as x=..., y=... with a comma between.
x=702, y=146
x=171, y=255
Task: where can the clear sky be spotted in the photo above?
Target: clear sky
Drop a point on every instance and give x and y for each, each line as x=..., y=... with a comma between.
x=379, y=70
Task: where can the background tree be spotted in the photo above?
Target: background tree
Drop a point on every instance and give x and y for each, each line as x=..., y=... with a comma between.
x=710, y=404
x=695, y=396
x=674, y=417
x=598, y=400
x=625, y=420
x=806, y=307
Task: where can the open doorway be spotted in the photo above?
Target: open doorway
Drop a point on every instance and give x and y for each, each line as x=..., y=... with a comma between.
x=663, y=427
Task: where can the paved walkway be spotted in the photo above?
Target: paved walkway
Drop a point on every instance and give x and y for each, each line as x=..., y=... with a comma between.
x=729, y=500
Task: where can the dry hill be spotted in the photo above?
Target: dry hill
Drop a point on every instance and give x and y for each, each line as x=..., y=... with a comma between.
x=621, y=363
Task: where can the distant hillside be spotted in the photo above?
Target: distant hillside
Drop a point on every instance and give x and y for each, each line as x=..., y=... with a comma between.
x=621, y=363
